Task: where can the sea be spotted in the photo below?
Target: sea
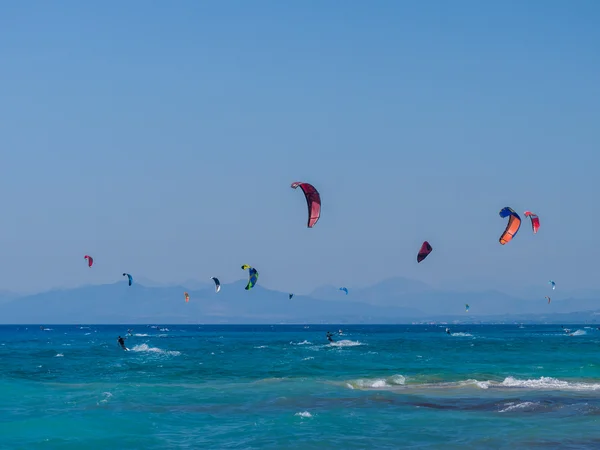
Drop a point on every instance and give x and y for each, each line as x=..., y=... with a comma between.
x=287, y=387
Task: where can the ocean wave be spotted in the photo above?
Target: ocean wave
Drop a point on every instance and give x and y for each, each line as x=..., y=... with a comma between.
x=549, y=383
x=345, y=343
x=305, y=342
x=461, y=334
x=512, y=406
x=542, y=383
x=146, y=348
x=304, y=414
x=107, y=396
x=377, y=383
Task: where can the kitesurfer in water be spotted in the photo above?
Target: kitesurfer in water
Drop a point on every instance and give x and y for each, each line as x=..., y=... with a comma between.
x=330, y=336
x=122, y=343
x=447, y=330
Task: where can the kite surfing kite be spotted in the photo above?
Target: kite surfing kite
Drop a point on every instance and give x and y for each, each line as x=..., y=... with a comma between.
x=252, y=276
x=514, y=223
x=425, y=250
x=217, y=284
x=466, y=308
x=290, y=296
x=90, y=260
x=129, y=277
x=344, y=289
x=313, y=201
x=548, y=299
x=535, y=221
x=553, y=284
x=187, y=297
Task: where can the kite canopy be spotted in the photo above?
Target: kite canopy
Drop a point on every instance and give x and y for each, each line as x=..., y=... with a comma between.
x=553, y=284
x=290, y=296
x=467, y=308
x=344, y=289
x=425, y=250
x=187, y=297
x=252, y=276
x=313, y=201
x=90, y=260
x=217, y=284
x=535, y=221
x=548, y=299
x=514, y=223
x=129, y=277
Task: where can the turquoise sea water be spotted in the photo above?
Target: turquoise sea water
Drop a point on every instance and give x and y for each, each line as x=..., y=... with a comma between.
x=286, y=387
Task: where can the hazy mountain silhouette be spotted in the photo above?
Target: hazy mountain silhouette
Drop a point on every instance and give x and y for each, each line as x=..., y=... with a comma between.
x=397, y=300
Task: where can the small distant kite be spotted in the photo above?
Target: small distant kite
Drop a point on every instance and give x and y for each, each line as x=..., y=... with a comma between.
x=553, y=284
x=217, y=284
x=548, y=299
x=425, y=250
x=344, y=289
x=129, y=277
x=313, y=201
x=90, y=260
x=466, y=307
x=187, y=297
x=290, y=296
x=514, y=223
x=535, y=221
x=252, y=276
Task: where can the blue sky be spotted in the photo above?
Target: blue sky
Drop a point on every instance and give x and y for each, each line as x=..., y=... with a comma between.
x=162, y=138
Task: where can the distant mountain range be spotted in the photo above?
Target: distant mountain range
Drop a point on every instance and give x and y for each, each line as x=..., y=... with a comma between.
x=396, y=300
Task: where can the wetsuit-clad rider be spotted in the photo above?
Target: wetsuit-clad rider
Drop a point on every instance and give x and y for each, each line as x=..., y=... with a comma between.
x=122, y=343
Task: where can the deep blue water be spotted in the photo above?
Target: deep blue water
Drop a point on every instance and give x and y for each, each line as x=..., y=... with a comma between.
x=286, y=387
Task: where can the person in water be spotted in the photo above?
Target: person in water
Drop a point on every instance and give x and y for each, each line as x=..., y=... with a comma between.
x=447, y=330
x=330, y=336
x=122, y=343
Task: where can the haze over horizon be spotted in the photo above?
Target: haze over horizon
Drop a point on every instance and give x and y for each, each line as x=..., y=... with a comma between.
x=163, y=140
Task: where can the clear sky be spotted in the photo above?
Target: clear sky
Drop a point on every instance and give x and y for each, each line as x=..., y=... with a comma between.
x=162, y=138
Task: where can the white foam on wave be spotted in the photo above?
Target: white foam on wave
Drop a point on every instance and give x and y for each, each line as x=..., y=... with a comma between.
x=262, y=346
x=305, y=342
x=345, y=343
x=146, y=348
x=59, y=355
x=304, y=414
x=549, y=383
x=461, y=334
x=107, y=396
x=141, y=335
x=579, y=333
x=512, y=406
x=377, y=383
x=542, y=383
x=308, y=358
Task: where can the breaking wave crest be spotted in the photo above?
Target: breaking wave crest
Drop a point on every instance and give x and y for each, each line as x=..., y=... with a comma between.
x=542, y=383
x=146, y=348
